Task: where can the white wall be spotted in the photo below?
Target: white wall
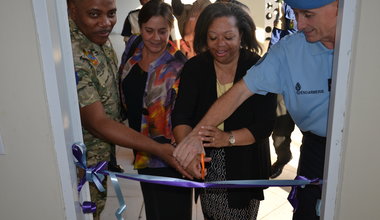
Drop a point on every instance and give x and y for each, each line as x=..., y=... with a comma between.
x=123, y=8
x=360, y=180
x=30, y=186
x=257, y=9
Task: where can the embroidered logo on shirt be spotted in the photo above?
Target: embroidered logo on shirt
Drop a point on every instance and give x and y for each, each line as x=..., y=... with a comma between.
x=301, y=92
x=91, y=57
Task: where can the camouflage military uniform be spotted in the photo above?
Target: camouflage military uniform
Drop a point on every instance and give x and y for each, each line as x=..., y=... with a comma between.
x=96, y=69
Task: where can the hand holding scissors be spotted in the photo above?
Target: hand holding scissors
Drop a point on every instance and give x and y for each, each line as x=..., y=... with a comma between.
x=197, y=166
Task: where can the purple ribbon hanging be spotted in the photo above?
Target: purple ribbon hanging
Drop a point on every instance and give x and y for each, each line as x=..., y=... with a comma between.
x=292, y=198
x=93, y=174
x=88, y=207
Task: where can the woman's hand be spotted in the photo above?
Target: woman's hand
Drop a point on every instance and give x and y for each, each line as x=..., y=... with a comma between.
x=214, y=137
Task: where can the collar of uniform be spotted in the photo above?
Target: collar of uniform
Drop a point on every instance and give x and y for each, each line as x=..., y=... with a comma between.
x=75, y=32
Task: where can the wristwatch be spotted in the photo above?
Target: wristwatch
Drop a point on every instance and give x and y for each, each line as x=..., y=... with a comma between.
x=231, y=139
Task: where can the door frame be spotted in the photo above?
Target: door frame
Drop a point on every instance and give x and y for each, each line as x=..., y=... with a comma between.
x=52, y=25
x=346, y=24
x=57, y=63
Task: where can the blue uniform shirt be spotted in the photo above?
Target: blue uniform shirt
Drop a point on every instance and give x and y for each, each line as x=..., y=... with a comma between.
x=301, y=72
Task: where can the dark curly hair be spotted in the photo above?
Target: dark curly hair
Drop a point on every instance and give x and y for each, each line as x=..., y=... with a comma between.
x=244, y=23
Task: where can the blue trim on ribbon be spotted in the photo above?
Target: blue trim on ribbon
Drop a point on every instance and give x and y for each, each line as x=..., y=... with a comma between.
x=119, y=195
x=318, y=208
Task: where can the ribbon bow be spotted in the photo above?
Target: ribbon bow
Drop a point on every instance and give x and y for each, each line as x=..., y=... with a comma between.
x=292, y=198
x=92, y=174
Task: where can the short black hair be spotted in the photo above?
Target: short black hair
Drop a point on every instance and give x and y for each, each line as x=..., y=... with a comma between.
x=244, y=23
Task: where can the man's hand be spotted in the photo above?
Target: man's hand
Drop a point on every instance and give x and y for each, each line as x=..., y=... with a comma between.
x=189, y=147
x=166, y=154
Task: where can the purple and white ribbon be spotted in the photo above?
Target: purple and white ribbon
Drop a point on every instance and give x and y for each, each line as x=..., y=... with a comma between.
x=96, y=174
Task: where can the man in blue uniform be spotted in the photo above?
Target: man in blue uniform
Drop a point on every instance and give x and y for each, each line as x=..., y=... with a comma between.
x=299, y=67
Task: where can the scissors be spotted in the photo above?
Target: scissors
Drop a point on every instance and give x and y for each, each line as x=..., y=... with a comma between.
x=203, y=166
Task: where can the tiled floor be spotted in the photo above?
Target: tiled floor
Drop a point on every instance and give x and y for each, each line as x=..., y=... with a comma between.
x=274, y=207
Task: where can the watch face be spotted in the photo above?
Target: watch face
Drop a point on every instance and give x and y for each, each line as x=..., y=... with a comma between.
x=232, y=139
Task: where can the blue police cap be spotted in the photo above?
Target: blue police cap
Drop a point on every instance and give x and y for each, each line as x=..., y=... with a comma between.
x=308, y=4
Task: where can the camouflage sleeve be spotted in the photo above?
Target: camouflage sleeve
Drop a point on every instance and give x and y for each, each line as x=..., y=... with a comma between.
x=87, y=88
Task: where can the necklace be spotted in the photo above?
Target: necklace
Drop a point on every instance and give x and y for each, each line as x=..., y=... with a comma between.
x=225, y=73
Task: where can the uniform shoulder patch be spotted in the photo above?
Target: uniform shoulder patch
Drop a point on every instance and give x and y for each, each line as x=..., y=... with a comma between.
x=90, y=56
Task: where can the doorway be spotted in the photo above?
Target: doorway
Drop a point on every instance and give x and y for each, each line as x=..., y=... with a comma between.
x=57, y=19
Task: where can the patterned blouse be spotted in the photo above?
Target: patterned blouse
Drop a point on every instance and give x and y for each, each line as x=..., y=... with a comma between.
x=158, y=100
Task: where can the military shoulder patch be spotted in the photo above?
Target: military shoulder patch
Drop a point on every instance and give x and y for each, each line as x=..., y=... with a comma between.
x=91, y=57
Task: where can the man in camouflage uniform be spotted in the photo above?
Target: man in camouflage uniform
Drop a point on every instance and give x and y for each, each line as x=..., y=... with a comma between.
x=91, y=22
x=95, y=64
